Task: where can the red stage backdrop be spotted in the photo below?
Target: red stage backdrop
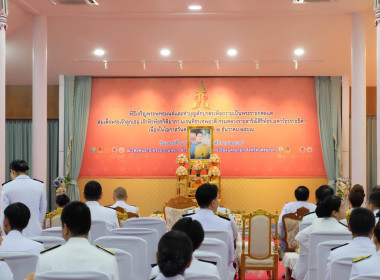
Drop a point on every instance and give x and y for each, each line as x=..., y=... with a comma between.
x=263, y=126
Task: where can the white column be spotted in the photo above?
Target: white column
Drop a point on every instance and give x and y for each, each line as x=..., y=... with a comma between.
x=39, y=123
x=346, y=126
x=377, y=9
x=358, y=100
x=61, y=140
x=3, y=28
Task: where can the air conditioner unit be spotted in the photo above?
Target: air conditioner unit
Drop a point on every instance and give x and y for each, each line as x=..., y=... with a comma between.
x=78, y=2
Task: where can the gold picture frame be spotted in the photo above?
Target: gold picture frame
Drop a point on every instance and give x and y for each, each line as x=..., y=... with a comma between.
x=200, y=148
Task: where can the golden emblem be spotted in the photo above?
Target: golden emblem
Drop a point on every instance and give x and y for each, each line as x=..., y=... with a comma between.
x=201, y=98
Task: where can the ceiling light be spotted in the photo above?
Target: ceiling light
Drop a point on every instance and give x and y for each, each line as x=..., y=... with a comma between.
x=232, y=52
x=165, y=52
x=99, y=52
x=195, y=7
x=299, y=51
x=298, y=1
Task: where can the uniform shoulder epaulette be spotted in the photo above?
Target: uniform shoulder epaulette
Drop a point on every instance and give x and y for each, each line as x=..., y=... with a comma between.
x=189, y=214
x=214, y=263
x=49, y=249
x=38, y=180
x=6, y=182
x=110, y=207
x=105, y=250
x=332, y=249
x=1, y=259
x=228, y=219
x=361, y=258
x=343, y=224
x=309, y=213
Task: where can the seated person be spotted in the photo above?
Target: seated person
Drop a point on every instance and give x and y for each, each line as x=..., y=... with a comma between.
x=77, y=254
x=374, y=204
x=120, y=197
x=5, y=271
x=60, y=202
x=16, y=218
x=92, y=194
x=195, y=231
x=362, y=225
x=355, y=197
x=174, y=255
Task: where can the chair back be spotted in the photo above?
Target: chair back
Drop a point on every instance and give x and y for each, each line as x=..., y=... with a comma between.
x=49, y=241
x=218, y=234
x=367, y=277
x=175, y=208
x=290, y=223
x=323, y=251
x=49, y=216
x=318, y=237
x=153, y=223
x=20, y=263
x=220, y=248
x=98, y=229
x=341, y=269
x=212, y=257
x=124, y=263
x=74, y=275
x=132, y=215
x=149, y=235
x=54, y=231
x=136, y=246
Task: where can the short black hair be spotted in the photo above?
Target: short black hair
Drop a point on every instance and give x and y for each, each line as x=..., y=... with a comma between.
x=376, y=188
x=92, y=190
x=302, y=193
x=77, y=217
x=323, y=191
x=197, y=131
x=174, y=253
x=19, y=165
x=18, y=215
x=356, y=195
x=192, y=228
x=205, y=194
x=374, y=199
x=62, y=200
x=377, y=231
x=327, y=206
x=362, y=221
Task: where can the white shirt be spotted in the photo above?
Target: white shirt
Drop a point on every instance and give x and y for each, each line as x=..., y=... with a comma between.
x=162, y=277
x=32, y=194
x=308, y=219
x=123, y=204
x=366, y=266
x=375, y=212
x=101, y=213
x=78, y=254
x=15, y=242
x=5, y=271
x=292, y=207
x=359, y=246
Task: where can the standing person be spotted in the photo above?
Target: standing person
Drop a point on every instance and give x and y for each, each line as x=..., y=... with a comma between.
x=120, y=197
x=27, y=191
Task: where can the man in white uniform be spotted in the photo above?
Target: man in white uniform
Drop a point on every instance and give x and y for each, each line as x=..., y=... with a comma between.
x=16, y=218
x=362, y=225
x=77, y=254
x=92, y=194
x=120, y=197
x=27, y=191
x=374, y=204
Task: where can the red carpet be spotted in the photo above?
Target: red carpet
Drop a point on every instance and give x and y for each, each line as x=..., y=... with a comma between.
x=261, y=275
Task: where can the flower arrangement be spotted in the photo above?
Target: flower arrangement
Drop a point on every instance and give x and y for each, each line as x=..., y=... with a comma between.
x=214, y=171
x=197, y=182
x=60, y=184
x=215, y=159
x=182, y=159
x=197, y=167
x=181, y=171
x=343, y=186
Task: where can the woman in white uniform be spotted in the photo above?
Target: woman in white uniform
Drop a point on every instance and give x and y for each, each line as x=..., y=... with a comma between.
x=174, y=255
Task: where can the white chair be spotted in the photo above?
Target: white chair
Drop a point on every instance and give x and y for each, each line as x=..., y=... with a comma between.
x=367, y=277
x=124, y=263
x=98, y=229
x=153, y=223
x=341, y=269
x=136, y=246
x=323, y=252
x=54, y=231
x=318, y=237
x=49, y=241
x=149, y=235
x=74, y=275
x=20, y=263
x=210, y=256
x=218, y=234
x=218, y=247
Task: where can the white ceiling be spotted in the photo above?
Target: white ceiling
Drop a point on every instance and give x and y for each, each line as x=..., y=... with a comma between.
x=266, y=30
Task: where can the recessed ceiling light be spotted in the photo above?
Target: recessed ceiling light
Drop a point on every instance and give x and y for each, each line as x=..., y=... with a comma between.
x=298, y=1
x=299, y=51
x=195, y=7
x=232, y=52
x=165, y=52
x=99, y=52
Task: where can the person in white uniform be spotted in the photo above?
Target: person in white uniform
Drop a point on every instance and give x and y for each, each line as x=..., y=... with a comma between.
x=174, y=255
x=28, y=191
x=5, y=271
x=120, y=197
x=16, y=218
x=374, y=204
x=362, y=226
x=77, y=254
x=329, y=212
x=92, y=194
x=198, y=267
